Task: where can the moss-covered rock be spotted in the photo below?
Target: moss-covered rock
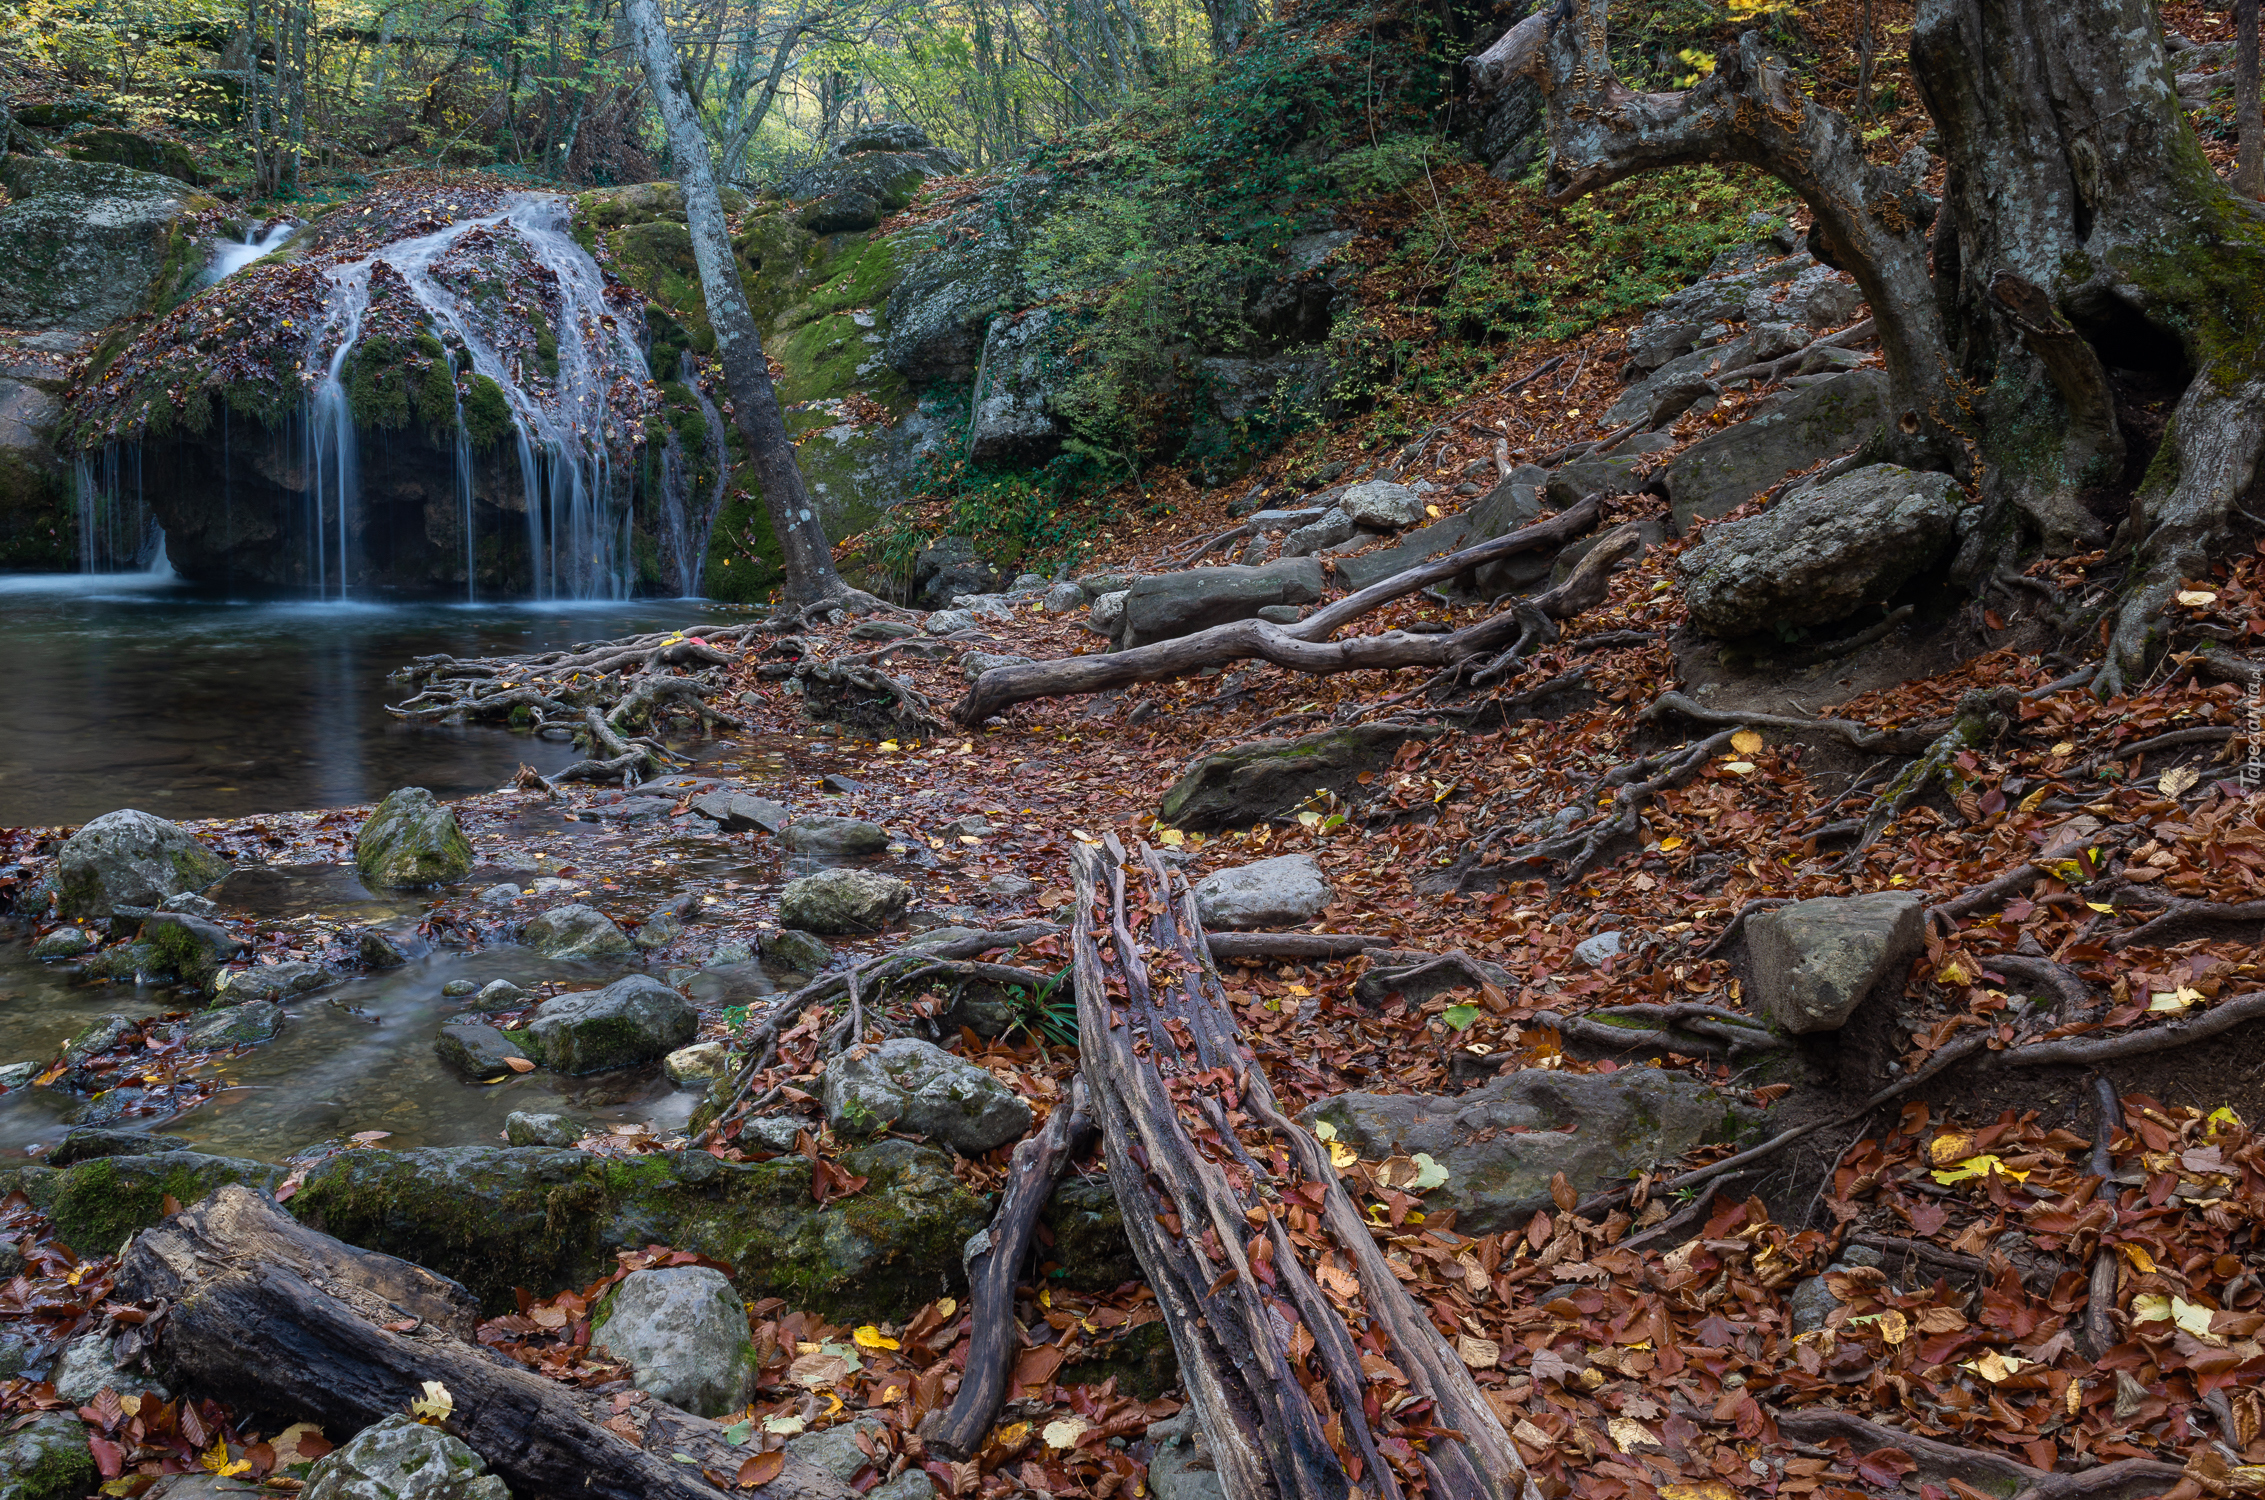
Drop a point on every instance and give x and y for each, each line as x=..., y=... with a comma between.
x=131, y=858
x=143, y=153
x=47, y=1459
x=96, y=1204
x=1273, y=778
x=84, y=244
x=411, y=841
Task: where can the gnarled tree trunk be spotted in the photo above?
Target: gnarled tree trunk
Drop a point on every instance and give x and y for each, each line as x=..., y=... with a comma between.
x=2084, y=256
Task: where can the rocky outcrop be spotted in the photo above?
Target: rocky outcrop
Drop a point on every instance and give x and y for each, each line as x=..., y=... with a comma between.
x=1502, y=1143
x=1176, y=604
x=1822, y=554
x=1726, y=469
x=1272, y=778
x=86, y=244
x=1013, y=420
x=1816, y=961
x=868, y=175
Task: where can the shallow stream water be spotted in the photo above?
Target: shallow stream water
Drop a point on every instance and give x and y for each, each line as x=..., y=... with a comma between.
x=133, y=691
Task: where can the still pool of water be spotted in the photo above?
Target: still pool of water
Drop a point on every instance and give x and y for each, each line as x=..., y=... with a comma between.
x=135, y=690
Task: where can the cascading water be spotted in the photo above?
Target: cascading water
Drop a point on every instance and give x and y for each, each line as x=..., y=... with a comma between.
x=257, y=244
x=564, y=419
x=116, y=530
x=687, y=519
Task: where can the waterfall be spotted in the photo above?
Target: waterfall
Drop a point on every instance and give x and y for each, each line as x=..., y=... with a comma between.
x=687, y=522
x=565, y=427
x=116, y=532
x=233, y=256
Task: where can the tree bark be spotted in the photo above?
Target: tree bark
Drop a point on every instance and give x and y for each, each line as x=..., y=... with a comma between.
x=267, y=1313
x=2079, y=210
x=1212, y=1179
x=808, y=556
x=2249, y=168
x=1305, y=646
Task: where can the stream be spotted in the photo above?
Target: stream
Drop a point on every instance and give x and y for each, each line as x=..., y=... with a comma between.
x=132, y=690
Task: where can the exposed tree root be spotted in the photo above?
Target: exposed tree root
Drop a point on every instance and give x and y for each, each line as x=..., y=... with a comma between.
x=1858, y=736
x=2091, y=1051
x=2020, y=878
x=1993, y=1473
x=1254, y=947
x=2182, y=913
x=2067, y=986
x=1691, y=1030
x=1981, y=719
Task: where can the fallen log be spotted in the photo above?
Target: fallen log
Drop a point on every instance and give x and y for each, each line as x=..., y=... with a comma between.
x=1306, y=646
x=1237, y=1218
x=264, y=1312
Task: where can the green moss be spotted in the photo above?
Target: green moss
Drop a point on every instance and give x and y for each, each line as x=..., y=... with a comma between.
x=96, y=1204
x=487, y=413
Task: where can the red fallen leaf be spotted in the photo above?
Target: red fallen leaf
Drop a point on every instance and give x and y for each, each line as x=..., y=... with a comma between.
x=1883, y=1468
x=761, y=1469
x=108, y=1457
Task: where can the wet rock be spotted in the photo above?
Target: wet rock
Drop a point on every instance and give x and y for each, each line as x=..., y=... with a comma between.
x=142, y=153
x=499, y=1217
x=190, y=904
x=411, y=841
x=916, y=1087
x=101, y=1202
x=1596, y=951
x=1329, y=529
x=822, y=834
x=1823, y=554
x=777, y=1133
x=98, y=1036
x=1270, y=893
x=234, y=1026
x=1725, y=469
x=689, y=1067
x=1815, y=961
x=1272, y=778
x=193, y=948
x=130, y=858
x=847, y=786
x=684, y=1332
x=401, y=1459
x=843, y=901
x=1502, y=1141
x=501, y=994
x=477, y=1050
x=503, y=893
x=380, y=951
x=659, y=930
x=1381, y=505
x=976, y=663
x=797, y=950
x=736, y=812
x=1176, y=604
x=129, y=963
x=458, y=988
x=64, y=942
x=268, y=981
x=524, y=1128
x=630, y=1021
x=728, y=955
x=47, y=1459
x=92, y=1144
x=18, y=1075
x=577, y=932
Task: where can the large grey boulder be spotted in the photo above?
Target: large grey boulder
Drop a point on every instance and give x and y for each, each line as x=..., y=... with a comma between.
x=129, y=858
x=1822, y=554
x=1012, y=418
x=402, y=1459
x=940, y=310
x=631, y=1021
x=867, y=176
x=1502, y=1142
x=1176, y=604
x=576, y=931
x=818, y=833
x=1381, y=505
x=47, y=1458
x=1286, y=892
x=1724, y=470
x=1271, y=778
x=843, y=901
x=917, y=1087
x=84, y=245
x=1815, y=961
x=411, y=841
x=684, y=1331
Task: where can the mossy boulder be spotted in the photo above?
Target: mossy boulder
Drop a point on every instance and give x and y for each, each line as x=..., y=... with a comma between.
x=631, y=1021
x=131, y=858
x=576, y=931
x=411, y=841
x=95, y=1204
x=86, y=244
x=143, y=153
x=499, y=1217
x=1272, y=778
x=47, y=1459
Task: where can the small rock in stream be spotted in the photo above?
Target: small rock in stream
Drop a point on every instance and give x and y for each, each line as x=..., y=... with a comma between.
x=821, y=834
x=915, y=1086
x=130, y=858
x=690, y=1066
x=456, y=988
x=728, y=954
x=411, y=841
x=659, y=930
x=499, y=994
x=381, y=952
x=630, y=1021
x=524, y=1128
x=87, y=1144
x=797, y=950
x=843, y=901
x=577, y=931
x=99, y=1036
x=736, y=812
x=501, y=894
x=64, y=942
x=234, y=1026
x=189, y=904
x=19, y=1075
x=476, y=1050
x=847, y=786
x=400, y=1459
x=268, y=981
x=684, y=1331
x=193, y=948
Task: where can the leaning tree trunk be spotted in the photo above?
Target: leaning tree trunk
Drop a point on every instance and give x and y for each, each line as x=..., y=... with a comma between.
x=1295, y=1339
x=2084, y=247
x=809, y=558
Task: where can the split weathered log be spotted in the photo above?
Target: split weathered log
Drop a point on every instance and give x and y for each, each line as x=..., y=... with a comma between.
x=266, y=1313
x=1306, y=646
x=1994, y=1473
x=994, y=1268
x=1274, y=1366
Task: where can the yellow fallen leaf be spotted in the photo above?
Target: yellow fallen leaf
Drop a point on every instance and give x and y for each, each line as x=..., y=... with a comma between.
x=2144, y=1264
x=2099, y=906
x=1628, y=1434
x=870, y=1337
x=1894, y=1327
x=1431, y=511
x=1739, y=767
x=946, y=1306
x=1953, y=973
x=2177, y=780
x=1172, y=836
x=785, y=1426
x=433, y=1407
x=1478, y=1353
x=1707, y=1489
x=2196, y=598
x=1672, y=842
x=1341, y=1155
x=1950, y=1146
x=1083, y=837
x=1995, y=1367
x=2030, y=802
x=1977, y=1166
x=2065, y=747
x=2224, y=1118
x=1746, y=742
x=1063, y=1432
x=886, y=745
x=2171, y=1002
